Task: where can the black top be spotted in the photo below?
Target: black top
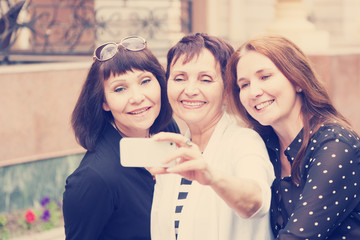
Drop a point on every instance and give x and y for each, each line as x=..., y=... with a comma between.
x=326, y=204
x=103, y=200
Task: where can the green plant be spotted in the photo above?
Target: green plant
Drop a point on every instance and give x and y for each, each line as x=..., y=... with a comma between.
x=40, y=218
x=51, y=215
x=4, y=232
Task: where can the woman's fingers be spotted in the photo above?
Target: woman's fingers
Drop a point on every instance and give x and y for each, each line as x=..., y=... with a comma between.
x=183, y=154
x=194, y=170
x=186, y=160
x=156, y=170
x=180, y=140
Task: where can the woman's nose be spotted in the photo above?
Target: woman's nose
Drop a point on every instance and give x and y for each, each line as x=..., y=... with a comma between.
x=191, y=88
x=256, y=90
x=136, y=96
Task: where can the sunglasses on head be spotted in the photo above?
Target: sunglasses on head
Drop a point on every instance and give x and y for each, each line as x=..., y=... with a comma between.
x=107, y=51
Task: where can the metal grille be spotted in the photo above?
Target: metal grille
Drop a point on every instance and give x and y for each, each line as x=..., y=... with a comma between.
x=52, y=30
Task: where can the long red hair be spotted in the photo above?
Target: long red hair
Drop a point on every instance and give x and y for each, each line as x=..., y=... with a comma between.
x=296, y=67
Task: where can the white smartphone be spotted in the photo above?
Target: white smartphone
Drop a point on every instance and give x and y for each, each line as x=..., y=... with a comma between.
x=145, y=152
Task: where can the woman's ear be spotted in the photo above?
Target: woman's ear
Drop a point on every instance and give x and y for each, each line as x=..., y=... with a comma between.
x=106, y=106
x=225, y=101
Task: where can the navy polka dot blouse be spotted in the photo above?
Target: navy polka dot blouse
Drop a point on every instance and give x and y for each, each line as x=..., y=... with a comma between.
x=326, y=203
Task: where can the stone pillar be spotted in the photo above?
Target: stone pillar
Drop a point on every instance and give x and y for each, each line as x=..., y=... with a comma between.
x=340, y=19
x=350, y=22
x=358, y=24
x=213, y=16
x=217, y=17
x=234, y=20
x=236, y=23
x=291, y=22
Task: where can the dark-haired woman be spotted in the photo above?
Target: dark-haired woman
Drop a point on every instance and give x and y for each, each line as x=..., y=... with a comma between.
x=314, y=151
x=124, y=95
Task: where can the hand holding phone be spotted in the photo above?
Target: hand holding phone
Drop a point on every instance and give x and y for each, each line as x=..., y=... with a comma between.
x=145, y=152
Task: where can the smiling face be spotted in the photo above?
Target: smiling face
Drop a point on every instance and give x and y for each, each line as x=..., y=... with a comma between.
x=195, y=89
x=267, y=95
x=134, y=99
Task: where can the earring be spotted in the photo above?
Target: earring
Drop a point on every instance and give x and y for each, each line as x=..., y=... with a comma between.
x=299, y=90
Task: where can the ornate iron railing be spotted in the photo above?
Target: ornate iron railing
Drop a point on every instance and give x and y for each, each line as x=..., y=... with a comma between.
x=41, y=30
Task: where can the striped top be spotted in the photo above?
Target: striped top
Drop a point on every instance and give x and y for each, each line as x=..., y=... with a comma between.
x=184, y=190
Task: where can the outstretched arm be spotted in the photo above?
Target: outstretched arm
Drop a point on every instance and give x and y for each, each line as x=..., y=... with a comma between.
x=244, y=195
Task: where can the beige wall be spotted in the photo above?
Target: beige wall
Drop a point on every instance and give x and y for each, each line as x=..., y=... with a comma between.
x=36, y=104
x=341, y=72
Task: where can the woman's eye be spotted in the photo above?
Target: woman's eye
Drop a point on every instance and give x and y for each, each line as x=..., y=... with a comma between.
x=264, y=77
x=119, y=89
x=178, y=79
x=145, y=80
x=206, y=80
x=243, y=85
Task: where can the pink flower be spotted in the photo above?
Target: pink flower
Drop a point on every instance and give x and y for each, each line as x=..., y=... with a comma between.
x=30, y=216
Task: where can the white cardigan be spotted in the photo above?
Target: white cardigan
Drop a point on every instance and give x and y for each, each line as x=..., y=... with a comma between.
x=237, y=151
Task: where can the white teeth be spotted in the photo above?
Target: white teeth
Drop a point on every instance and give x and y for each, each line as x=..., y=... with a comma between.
x=192, y=103
x=140, y=111
x=264, y=104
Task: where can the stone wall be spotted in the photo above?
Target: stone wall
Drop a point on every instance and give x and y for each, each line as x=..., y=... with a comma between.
x=36, y=104
x=341, y=73
x=25, y=185
x=38, y=149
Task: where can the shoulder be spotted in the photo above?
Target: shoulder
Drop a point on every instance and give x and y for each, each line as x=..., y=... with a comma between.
x=335, y=132
x=237, y=132
x=82, y=186
x=100, y=168
x=333, y=141
x=86, y=173
x=242, y=141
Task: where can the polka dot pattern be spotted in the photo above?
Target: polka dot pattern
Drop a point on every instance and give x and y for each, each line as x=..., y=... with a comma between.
x=326, y=203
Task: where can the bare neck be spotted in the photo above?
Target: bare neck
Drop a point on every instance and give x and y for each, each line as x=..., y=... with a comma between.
x=201, y=134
